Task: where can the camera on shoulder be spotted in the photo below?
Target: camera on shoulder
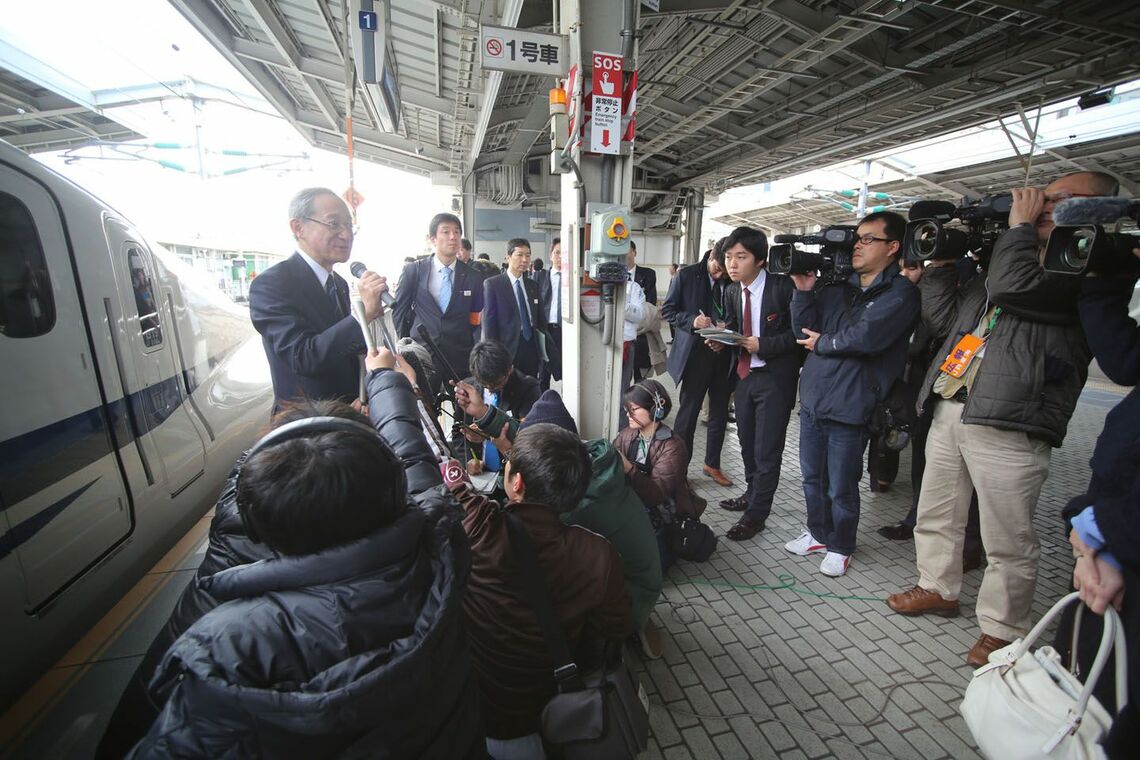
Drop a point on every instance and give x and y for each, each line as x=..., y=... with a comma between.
x=1080, y=244
x=982, y=221
x=831, y=259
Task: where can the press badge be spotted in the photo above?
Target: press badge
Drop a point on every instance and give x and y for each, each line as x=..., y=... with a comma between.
x=961, y=355
x=467, y=294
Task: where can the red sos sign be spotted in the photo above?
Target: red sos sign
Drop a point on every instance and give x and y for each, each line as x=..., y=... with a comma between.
x=606, y=77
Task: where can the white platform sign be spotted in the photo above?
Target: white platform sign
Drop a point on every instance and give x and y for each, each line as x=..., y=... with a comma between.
x=506, y=49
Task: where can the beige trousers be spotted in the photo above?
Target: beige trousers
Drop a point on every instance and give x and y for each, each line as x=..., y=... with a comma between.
x=1007, y=468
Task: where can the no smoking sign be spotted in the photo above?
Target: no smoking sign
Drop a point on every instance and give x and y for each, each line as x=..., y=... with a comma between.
x=494, y=47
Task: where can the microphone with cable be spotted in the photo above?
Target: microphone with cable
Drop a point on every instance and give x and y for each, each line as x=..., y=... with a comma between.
x=425, y=337
x=1075, y=212
x=358, y=270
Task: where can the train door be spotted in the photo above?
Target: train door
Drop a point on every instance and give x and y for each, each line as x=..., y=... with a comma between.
x=159, y=411
x=62, y=489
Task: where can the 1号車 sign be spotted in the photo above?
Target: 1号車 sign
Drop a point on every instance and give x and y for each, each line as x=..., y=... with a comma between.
x=506, y=49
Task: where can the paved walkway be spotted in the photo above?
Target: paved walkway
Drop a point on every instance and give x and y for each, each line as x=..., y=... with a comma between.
x=766, y=657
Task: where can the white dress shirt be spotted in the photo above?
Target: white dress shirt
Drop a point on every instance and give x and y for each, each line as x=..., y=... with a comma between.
x=555, y=294
x=757, y=311
x=321, y=273
x=435, y=277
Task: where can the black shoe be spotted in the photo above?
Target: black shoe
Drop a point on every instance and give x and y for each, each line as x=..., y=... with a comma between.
x=897, y=532
x=739, y=504
x=744, y=530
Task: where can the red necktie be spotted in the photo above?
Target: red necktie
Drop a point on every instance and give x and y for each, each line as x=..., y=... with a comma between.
x=744, y=363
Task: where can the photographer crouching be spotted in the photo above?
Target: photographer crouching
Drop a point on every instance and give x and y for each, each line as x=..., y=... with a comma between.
x=1016, y=359
x=856, y=331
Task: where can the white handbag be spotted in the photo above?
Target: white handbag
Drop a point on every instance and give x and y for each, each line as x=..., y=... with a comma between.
x=1024, y=705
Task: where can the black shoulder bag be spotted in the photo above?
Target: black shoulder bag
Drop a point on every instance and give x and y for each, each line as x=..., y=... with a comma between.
x=600, y=714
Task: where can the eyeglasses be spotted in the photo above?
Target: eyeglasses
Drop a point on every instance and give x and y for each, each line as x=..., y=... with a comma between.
x=632, y=410
x=1064, y=195
x=337, y=227
x=868, y=239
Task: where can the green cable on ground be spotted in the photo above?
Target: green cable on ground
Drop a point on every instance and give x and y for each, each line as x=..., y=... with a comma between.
x=787, y=582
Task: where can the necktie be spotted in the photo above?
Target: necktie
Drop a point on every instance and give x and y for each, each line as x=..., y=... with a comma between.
x=445, y=288
x=491, y=459
x=744, y=363
x=524, y=315
x=330, y=291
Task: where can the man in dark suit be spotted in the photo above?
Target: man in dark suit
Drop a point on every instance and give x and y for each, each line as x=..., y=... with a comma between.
x=301, y=307
x=647, y=279
x=444, y=296
x=696, y=300
x=550, y=294
x=767, y=364
x=513, y=311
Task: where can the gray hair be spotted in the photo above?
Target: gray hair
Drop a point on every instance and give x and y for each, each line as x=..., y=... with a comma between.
x=302, y=204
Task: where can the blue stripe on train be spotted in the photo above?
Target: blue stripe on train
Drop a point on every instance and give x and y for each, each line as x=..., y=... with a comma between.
x=12, y=540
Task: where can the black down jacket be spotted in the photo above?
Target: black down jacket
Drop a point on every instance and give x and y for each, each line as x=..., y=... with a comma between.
x=355, y=651
x=393, y=413
x=1036, y=359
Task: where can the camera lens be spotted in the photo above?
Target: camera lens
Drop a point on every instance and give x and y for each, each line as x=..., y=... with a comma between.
x=925, y=239
x=1077, y=252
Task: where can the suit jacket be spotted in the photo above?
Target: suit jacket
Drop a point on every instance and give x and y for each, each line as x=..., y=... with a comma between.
x=689, y=294
x=545, y=293
x=778, y=345
x=313, y=352
x=501, y=322
x=455, y=331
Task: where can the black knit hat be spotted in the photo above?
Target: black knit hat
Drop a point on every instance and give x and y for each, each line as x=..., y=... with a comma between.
x=549, y=408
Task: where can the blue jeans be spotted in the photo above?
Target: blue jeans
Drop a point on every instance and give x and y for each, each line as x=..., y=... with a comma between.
x=831, y=463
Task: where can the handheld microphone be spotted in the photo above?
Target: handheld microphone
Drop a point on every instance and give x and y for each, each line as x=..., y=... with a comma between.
x=1102, y=210
x=358, y=269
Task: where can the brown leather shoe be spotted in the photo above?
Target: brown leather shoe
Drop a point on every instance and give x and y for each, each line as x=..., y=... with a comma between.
x=735, y=504
x=919, y=601
x=715, y=473
x=980, y=653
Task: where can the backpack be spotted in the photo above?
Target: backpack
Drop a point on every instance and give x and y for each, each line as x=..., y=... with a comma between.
x=691, y=539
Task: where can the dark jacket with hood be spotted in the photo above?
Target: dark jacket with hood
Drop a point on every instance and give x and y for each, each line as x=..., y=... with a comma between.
x=394, y=416
x=329, y=654
x=862, y=348
x=1036, y=358
x=665, y=476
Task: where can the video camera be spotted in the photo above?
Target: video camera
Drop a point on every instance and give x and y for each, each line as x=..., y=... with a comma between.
x=928, y=238
x=1079, y=243
x=832, y=260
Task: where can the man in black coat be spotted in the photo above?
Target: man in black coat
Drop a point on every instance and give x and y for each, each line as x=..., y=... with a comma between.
x=301, y=307
x=647, y=279
x=443, y=296
x=696, y=300
x=513, y=311
x=766, y=364
x=393, y=413
x=500, y=385
x=550, y=294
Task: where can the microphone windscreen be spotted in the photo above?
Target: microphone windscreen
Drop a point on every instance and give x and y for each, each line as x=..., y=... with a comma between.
x=931, y=210
x=786, y=239
x=1077, y=211
x=358, y=269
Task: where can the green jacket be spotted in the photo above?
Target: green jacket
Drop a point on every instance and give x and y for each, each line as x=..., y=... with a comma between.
x=611, y=509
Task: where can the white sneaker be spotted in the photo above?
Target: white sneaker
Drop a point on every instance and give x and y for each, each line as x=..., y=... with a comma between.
x=834, y=564
x=805, y=544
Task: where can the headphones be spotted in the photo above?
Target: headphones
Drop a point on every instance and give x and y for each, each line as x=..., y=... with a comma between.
x=658, y=401
x=311, y=426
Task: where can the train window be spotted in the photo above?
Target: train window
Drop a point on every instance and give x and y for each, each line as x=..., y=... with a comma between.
x=145, y=302
x=27, y=308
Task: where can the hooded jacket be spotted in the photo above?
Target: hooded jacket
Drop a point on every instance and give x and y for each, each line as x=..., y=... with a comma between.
x=862, y=347
x=328, y=655
x=1036, y=358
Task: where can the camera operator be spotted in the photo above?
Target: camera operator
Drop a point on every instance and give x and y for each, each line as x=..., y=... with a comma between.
x=1104, y=522
x=856, y=332
x=1016, y=360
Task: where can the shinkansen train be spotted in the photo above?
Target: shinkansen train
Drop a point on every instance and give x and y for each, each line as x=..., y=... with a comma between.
x=129, y=386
